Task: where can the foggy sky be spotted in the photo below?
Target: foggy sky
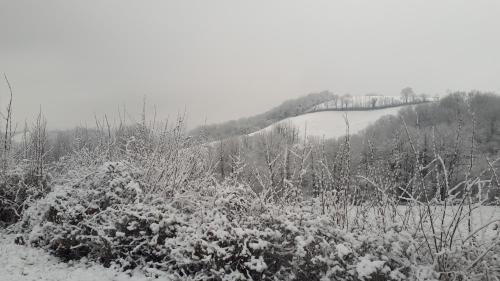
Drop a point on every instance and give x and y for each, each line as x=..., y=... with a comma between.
x=228, y=59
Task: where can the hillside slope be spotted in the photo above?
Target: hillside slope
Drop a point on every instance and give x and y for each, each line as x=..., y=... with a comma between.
x=331, y=124
x=243, y=126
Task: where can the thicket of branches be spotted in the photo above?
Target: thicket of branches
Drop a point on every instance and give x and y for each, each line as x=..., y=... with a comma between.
x=432, y=169
x=463, y=129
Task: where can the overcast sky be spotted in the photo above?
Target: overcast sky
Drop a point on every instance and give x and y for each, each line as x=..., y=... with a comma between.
x=228, y=59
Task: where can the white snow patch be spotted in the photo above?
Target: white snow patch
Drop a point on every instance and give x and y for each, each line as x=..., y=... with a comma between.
x=342, y=251
x=22, y=263
x=301, y=243
x=135, y=186
x=155, y=228
x=331, y=124
x=258, y=265
x=366, y=267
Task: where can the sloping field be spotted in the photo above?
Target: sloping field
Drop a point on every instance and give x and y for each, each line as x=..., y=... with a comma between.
x=331, y=124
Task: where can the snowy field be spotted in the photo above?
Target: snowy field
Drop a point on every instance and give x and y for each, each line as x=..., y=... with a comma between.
x=331, y=124
x=21, y=263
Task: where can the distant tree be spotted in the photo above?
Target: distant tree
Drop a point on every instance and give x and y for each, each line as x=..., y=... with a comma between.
x=335, y=100
x=423, y=97
x=345, y=100
x=407, y=94
x=373, y=100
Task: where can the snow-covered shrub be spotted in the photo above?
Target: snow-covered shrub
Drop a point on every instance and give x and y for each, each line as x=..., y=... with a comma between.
x=214, y=233
x=66, y=215
x=231, y=198
x=19, y=188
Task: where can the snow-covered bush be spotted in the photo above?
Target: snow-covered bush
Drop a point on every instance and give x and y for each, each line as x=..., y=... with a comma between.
x=214, y=233
x=19, y=188
x=67, y=212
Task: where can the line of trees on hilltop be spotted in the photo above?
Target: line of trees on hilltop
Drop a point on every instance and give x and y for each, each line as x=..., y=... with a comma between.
x=372, y=101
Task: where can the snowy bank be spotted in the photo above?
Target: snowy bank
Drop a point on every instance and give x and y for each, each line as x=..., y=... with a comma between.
x=23, y=263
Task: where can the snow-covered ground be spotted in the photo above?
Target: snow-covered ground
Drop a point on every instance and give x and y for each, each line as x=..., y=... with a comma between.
x=21, y=263
x=331, y=124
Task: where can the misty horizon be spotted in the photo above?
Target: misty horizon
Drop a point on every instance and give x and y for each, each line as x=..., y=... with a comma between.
x=224, y=60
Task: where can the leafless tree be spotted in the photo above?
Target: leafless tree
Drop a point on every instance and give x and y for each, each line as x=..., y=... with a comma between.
x=407, y=94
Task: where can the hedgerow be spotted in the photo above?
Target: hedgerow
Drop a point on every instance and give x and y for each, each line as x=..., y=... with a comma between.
x=219, y=232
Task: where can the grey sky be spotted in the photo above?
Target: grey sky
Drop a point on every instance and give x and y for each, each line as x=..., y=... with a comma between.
x=227, y=59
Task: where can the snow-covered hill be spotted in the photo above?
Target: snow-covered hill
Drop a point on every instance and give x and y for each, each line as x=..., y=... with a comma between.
x=331, y=124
